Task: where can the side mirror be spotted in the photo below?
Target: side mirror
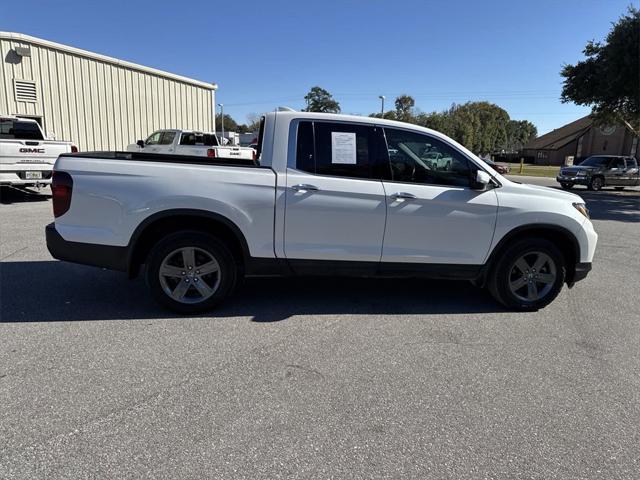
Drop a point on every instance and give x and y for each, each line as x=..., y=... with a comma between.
x=482, y=180
x=140, y=143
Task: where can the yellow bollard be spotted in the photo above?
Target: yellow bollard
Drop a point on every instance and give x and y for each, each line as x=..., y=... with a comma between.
x=521, y=165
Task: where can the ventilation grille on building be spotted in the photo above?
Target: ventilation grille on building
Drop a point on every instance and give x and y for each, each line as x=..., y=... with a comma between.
x=25, y=91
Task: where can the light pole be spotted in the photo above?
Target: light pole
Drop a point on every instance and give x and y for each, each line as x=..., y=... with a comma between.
x=222, y=122
x=381, y=97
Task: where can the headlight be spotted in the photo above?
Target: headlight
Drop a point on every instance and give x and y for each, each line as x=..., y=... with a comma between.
x=582, y=208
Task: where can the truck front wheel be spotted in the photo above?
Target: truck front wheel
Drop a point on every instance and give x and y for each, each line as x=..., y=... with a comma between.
x=528, y=275
x=190, y=272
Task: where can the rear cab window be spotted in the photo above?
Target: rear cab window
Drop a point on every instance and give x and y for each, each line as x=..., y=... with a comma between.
x=20, y=130
x=336, y=149
x=193, y=138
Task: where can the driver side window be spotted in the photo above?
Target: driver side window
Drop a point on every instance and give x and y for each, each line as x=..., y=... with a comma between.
x=154, y=139
x=420, y=158
x=617, y=163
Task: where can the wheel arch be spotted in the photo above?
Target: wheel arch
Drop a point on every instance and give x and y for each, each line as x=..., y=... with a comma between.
x=563, y=238
x=160, y=224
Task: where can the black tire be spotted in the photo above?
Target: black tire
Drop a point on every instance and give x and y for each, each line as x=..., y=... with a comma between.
x=502, y=274
x=619, y=188
x=566, y=186
x=596, y=184
x=206, y=248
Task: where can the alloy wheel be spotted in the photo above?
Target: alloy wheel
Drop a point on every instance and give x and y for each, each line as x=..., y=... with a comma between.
x=532, y=276
x=189, y=275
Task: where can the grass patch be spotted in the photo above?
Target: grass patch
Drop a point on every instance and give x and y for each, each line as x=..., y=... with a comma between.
x=534, y=170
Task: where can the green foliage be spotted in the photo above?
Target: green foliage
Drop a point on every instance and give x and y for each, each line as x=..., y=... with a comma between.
x=320, y=100
x=230, y=124
x=404, y=108
x=609, y=78
x=482, y=127
x=253, y=120
x=519, y=133
x=440, y=121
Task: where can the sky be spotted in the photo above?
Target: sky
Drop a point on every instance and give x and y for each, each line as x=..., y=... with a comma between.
x=263, y=54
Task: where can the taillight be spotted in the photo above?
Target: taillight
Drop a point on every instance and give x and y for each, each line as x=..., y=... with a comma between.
x=254, y=155
x=61, y=189
x=74, y=149
x=211, y=152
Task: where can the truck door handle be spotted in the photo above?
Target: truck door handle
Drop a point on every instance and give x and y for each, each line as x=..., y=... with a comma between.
x=403, y=195
x=305, y=187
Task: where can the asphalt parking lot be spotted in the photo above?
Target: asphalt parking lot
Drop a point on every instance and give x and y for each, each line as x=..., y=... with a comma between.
x=322, y=378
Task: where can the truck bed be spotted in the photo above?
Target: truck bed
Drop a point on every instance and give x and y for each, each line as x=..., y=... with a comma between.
x=129, y=188
x=164, y=158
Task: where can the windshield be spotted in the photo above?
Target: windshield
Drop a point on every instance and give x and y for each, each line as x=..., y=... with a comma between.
x=595, y=162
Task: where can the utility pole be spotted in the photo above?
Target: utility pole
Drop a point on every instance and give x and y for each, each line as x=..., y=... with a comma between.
x=222, y=122
x=382, y=97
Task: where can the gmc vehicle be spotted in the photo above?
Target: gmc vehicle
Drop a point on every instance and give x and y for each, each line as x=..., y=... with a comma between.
x=323, y=198
x=26, y=158
x=188, y=142
x=601, y=171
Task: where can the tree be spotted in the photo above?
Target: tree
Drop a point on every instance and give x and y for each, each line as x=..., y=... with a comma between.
x=230, y=124
x=319, y=100
x=404, y=108
x=439, y=121
x=519, y=133
x=482, y=127
x=479, y=126
x=608, y=79
x=254, y=122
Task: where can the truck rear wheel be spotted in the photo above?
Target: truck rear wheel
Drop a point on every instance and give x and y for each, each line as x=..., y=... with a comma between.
x=528, y=275
x=190, y=272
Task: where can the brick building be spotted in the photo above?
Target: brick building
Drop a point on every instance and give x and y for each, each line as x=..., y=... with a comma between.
x=581, y=139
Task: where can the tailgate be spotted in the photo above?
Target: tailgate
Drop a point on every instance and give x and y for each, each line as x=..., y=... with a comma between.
x=31, y=151
x=234, y=152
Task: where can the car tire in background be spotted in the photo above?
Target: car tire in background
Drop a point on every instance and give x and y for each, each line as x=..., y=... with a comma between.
x=596, y=183
x=190, y=272
x=566, y=185
x=528, y=275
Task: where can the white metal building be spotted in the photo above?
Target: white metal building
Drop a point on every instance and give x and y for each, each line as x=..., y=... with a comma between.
x=95, y=101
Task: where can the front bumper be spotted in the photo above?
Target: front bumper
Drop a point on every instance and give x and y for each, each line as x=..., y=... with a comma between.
x=105, y=256
x=582, y=180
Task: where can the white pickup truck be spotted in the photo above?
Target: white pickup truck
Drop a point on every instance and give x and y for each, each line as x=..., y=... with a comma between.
x=26, y=157
x=189, y=142
x=324, y=197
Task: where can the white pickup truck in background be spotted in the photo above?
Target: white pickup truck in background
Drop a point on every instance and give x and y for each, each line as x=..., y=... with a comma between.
x=26, y=157
x=326, y=196
x=192, y=143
